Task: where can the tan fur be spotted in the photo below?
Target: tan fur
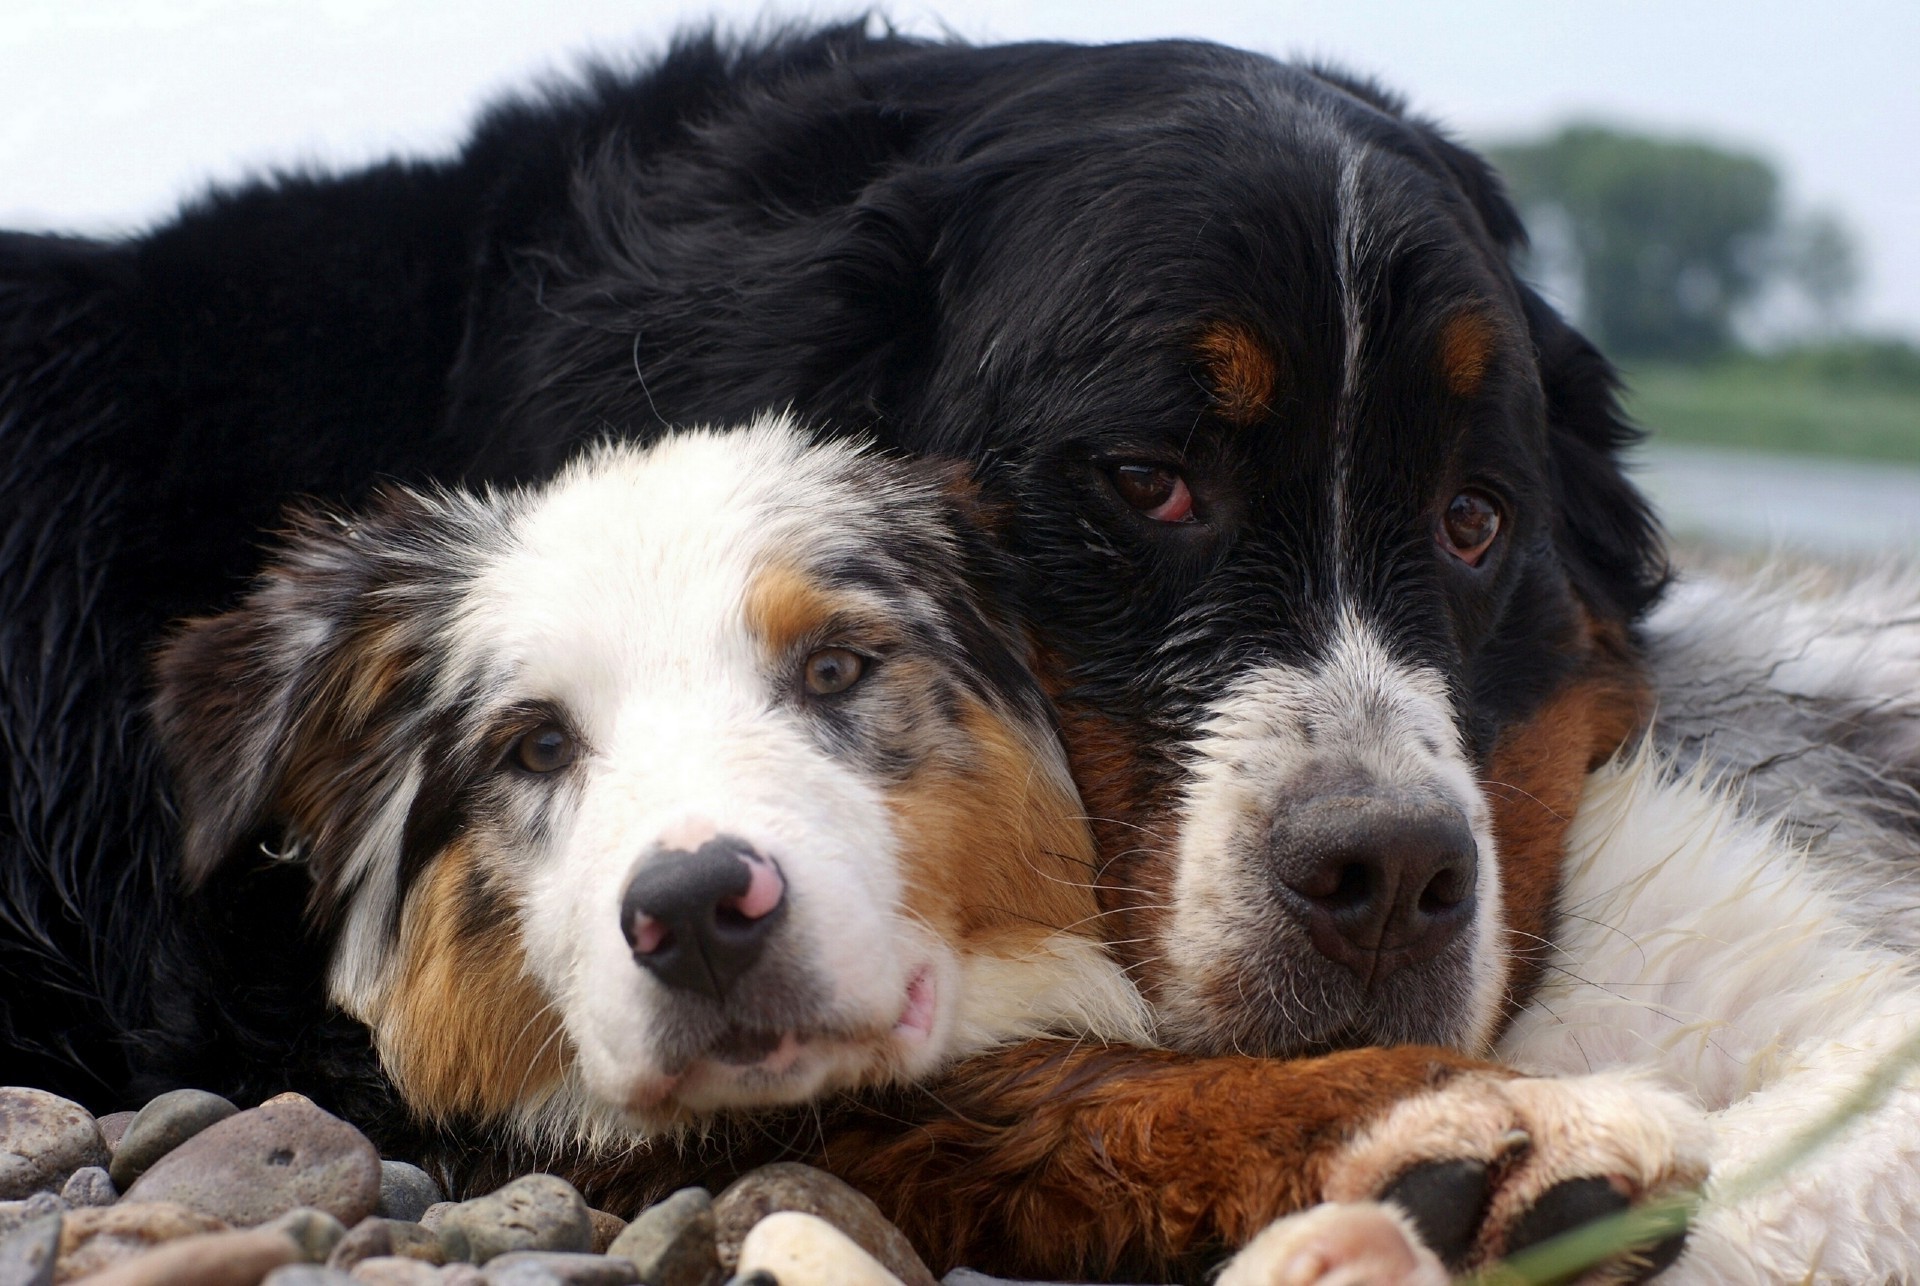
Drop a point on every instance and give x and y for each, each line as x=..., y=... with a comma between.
x=1242, y=370
x=785, y=607
x=466, y=1031
x=1466, y=351
x=994, y=849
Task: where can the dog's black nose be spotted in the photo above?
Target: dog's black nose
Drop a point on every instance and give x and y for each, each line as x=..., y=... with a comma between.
x=698, y=920
x=1381, y=879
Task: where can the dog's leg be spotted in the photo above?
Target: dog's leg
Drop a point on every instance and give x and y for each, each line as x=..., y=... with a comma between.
x=1061, y=1159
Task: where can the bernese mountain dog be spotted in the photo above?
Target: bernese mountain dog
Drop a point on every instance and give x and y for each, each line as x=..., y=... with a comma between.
x=1315, y=511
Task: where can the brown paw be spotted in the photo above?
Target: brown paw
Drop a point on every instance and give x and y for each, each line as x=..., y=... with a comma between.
x=1486, y=1167
x=1362, y=1244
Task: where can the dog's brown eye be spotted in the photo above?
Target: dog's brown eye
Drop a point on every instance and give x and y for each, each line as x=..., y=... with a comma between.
x=1155, y=490
x=833, y=670
x=1469, y=526
x=548, y=748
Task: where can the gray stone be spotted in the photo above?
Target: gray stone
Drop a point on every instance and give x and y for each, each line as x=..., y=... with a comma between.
x=102, y=1236
x=89, y=1187
x=606, y=1229
x=534, y=1212
x=306, y=1275
x=435, y=1213
x=160, y=1127
x=555, y=1268
x=391, y=1270
x=672, y=1243
x=315, y=1231
x=18, y=1214
x=113, y=1127
x=236, y=1258
x=406, y=1192
x=259, y=1164
x=43, y=1139
x=790, y=1186
x=28, y=1254
x=379, y=1238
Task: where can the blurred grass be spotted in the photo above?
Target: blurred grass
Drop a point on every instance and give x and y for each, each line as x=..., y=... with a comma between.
x=1859, y=400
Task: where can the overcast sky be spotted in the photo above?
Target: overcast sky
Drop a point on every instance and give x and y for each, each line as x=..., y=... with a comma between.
x=112, y=110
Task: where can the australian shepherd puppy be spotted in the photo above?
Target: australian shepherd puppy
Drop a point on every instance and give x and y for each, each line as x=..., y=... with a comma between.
x=703, y=777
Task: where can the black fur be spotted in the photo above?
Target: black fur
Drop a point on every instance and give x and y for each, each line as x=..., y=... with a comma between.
x=1003, y=254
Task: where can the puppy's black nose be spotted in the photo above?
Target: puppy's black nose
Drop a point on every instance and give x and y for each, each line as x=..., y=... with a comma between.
x=698, y=920
x=1381, y=879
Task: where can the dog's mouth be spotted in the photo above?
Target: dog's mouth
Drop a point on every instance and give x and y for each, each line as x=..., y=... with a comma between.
x=744, y=1065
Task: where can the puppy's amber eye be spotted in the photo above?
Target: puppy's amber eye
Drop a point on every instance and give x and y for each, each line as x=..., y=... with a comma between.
x=832, y=670
x=548, y=748
x=1469, y=525
x=1155, y=490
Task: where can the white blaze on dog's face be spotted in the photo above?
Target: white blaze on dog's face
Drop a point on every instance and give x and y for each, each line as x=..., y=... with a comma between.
x=697, y=779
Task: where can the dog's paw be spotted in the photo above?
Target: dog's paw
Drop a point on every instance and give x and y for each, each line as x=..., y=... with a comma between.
x=1358, y=1244
x=1486, y=1167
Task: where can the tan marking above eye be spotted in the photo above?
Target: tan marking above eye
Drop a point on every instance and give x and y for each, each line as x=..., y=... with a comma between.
x=1466, y=351
x=1241, y=370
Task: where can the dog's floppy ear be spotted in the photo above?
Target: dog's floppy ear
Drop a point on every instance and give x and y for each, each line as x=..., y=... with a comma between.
x=258, y=707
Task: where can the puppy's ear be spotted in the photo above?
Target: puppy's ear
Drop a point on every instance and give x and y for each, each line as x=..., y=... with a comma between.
x=259, y=708
x=1607, y=533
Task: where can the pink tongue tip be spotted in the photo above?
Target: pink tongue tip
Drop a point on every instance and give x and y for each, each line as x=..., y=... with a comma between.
x=916, y=1019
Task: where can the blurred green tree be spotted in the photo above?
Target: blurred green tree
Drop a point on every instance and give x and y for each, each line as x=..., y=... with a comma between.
x=1666, y=239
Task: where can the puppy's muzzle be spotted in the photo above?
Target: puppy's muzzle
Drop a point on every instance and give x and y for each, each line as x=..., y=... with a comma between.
x=1381, y=879
x=698, y=919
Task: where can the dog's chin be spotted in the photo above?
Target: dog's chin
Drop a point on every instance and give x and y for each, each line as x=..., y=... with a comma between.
x=1274, y=1005
x=738, y=1068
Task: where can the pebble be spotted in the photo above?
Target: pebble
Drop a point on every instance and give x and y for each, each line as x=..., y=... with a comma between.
x=161, y=1126
x=28, y=1254
x=17, y=1214
x=787, y=1185
x=306, y=1275
x=43, y=1139
x=378, y=1238
x=315, y=1231
x=89, y=1187
x=239, y=1258
x=553, y=1268
x=91, y=1240
x=406, y=1192
x=606, y=1228
x=534, y=1212
x=672, y=1243
x=113, y=1127
x=262, y=1163
x=798, y=1249
x=392, y=1270
x=435, y=1213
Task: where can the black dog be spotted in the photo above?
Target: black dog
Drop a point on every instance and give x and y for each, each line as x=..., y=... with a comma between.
x=1316, y=501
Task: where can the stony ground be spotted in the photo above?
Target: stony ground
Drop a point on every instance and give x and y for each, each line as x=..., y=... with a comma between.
x=192, y=1191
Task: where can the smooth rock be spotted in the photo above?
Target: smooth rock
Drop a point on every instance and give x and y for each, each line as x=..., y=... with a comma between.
x=787, y=1185
x=306, y=1275
x=91, y=1240
x=113, y=1127
x=435, y=1213
x=315, y=1231
x=160, y=1127
x=28, y=1254
x=287, y=1096
x=672, y=1243
x=606, y=1227
x=805, y=1250
x=262, y=1163
x=556, y=1268
x=43, y=1139
x=18, y=1214
x=392, y=1270
x=210, y=1259
x=534, y=1212
x=406, y=1192
x=379, y=1238
x=89, y=1187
